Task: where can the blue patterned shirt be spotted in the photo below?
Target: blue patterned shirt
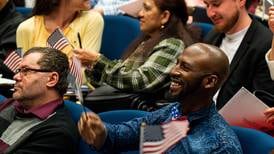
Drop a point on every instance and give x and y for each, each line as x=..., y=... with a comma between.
x=208, y=133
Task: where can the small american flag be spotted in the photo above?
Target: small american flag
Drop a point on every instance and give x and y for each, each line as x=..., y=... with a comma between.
x=13, y=60
x=57, y=40
x=76, y=70
x=156, y=139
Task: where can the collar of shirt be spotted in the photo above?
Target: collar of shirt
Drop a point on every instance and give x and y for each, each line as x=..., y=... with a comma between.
x=197, y=114
x=41, y=111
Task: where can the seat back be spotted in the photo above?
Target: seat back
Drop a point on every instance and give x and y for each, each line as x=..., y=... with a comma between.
x=76, y=111
x=254, y=141
x=199, y=15
x=204, y=27
x=26, y=12
x=117, y=116
x=2, y=98
x=119, y=32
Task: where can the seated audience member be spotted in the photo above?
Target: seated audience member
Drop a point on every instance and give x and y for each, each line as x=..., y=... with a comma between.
x=9, y=21
x=148, y=61
x=270, y=61
x=200, y=71
x=72, y=16
x=245, y=41
x=35, y=120
x=270, y=55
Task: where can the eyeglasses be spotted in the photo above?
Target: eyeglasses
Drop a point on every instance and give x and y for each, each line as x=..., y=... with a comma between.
x=24, y=71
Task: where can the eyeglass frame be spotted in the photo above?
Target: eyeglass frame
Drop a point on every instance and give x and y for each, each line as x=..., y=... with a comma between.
x=25, y=70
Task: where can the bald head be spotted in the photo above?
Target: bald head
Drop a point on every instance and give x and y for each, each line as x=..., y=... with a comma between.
x=198, y=74
x=211, y=59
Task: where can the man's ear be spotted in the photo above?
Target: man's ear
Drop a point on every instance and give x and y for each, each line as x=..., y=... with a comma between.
x=165, y=17
x=210, y=81
x=53, y=79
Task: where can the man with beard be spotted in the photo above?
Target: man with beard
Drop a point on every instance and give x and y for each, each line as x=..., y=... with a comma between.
x=245, y=41
x=35, y=119
x=198, y=74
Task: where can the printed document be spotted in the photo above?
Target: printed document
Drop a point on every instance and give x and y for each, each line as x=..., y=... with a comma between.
x=246, y=110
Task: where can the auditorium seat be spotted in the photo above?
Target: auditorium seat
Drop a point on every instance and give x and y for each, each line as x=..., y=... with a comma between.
x=254, y=141
x=76, y=111
x=119, y=32
x=26, y=12
x=204, y=27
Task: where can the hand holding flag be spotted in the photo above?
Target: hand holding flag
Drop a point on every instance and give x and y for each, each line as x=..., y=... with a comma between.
x=156, y=139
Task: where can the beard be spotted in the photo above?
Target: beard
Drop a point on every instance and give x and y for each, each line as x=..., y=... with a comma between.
x=188, y=89
x=229, y=24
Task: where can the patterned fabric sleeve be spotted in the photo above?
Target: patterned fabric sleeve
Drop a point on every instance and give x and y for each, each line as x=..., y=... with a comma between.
x=148, y=76
x=111, y=7
x=116, y=138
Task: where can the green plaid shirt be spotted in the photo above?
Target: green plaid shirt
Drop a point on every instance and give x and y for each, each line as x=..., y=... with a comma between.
x=138, y=73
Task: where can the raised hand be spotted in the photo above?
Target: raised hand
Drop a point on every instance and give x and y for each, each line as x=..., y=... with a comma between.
x=92, y=129
x=269, y=113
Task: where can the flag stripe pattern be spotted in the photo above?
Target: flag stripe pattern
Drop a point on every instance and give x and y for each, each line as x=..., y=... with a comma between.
x=76, y=70
x=13, y=60
x=57, y=40
x=168, y=135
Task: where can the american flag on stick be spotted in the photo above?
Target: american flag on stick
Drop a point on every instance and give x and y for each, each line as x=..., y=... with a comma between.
x=76, y=70
x=156, y=139
x=57, y=40
x=13, y=60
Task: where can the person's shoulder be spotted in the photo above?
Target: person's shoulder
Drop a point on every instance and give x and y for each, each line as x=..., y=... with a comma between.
x=27, y=25
x=172, y=42
x=62, y=120
x=262, y=29
x=92, y=16
x=260, y=44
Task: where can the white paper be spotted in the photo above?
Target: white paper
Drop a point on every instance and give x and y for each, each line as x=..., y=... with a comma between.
x=246, y=110
x=4, y=81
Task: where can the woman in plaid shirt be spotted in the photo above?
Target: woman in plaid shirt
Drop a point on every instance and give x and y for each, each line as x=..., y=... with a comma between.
x=148, y=61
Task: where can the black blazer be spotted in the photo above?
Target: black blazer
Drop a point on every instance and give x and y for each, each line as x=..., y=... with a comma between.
x=248, y=67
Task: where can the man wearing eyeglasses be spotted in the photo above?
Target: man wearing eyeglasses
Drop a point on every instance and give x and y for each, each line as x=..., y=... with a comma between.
x=35, y=119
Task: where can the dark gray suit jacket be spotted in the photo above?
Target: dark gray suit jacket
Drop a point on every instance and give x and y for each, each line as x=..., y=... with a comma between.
x=248, y=67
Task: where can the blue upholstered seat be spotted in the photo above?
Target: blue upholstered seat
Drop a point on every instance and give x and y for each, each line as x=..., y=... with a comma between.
x=24, y=11
x=76, y=111
x=2, y=98
x=254, y=141
x=117, y=116
x=205, y=27
x=119, y=32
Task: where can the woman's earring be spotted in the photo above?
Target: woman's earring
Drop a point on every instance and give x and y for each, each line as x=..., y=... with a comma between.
x=162, y=26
